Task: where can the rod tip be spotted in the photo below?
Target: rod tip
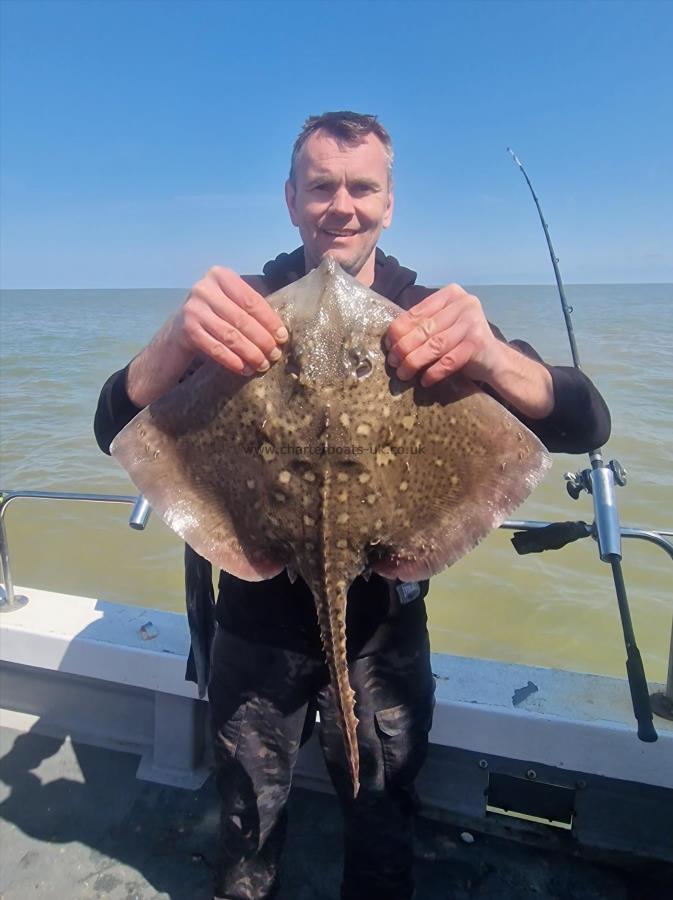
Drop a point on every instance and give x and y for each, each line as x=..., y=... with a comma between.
x=514, y=157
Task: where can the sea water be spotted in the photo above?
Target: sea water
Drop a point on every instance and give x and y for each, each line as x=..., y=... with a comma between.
x=552, y=609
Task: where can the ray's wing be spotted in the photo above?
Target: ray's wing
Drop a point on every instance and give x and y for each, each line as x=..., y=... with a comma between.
x=190, y=453
x=462, y=464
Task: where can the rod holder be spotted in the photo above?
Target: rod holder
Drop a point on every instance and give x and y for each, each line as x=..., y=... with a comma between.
x=608, y=532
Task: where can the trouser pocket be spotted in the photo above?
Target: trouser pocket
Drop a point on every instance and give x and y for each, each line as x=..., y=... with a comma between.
x=403, y=731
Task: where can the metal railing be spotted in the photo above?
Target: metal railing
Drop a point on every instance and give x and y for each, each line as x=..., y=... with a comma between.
x=663, y=538
x=662, y=703
x=138, y=519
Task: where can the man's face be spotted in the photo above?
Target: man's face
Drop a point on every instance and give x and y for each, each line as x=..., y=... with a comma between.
x=340, y=200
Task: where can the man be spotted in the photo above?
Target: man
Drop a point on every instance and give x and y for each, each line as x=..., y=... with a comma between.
x=268, y=674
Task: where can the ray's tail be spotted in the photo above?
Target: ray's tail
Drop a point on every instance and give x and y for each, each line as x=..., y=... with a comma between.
x=331, y=608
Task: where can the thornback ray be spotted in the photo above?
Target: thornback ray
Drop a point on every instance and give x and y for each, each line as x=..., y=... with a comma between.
x=328, y=465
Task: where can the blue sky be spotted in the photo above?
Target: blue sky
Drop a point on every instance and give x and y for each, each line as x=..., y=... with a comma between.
x=146, y=141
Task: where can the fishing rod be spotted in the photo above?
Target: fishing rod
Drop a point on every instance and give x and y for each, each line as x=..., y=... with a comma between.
x=599, y=481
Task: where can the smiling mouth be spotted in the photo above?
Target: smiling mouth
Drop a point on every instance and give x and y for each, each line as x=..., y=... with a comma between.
x=338, y=233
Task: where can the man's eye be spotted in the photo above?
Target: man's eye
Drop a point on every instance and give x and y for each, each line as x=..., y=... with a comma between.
x=361, y=190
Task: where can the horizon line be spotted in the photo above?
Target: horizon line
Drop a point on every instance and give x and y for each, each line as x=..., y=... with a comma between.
x=437, y=287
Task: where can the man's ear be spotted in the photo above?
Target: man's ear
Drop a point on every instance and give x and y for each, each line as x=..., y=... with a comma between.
x=290, y=199
x=388, y=217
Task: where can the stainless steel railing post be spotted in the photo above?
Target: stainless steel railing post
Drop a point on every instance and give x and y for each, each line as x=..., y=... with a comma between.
x=8, y=599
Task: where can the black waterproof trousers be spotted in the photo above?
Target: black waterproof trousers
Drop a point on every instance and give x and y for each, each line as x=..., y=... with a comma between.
x=263, y=701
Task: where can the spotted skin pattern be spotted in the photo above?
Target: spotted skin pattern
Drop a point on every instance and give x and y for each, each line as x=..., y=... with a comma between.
x=328, y=465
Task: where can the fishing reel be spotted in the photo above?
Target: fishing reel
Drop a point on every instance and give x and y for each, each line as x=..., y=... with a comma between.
x=576, y=482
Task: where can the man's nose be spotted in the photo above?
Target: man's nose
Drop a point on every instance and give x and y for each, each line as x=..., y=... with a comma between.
x=342, y=202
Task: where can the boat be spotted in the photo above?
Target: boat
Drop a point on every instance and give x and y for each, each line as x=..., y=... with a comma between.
x=535, y=776
x=537, y=783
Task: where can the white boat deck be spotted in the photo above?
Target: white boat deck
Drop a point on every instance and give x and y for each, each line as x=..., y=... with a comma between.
x=100, y=734
x=77, y=823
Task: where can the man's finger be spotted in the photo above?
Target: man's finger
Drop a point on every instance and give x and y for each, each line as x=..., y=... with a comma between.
x=249, y=300
x=448, y=364
x=408, y=320
x=430, y=306
x=424, y=331
x=230, y=338
x=229, y=313
x=221, y=354
x=436, y=346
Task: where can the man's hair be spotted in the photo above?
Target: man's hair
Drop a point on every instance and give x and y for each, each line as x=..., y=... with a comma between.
x=347, y=127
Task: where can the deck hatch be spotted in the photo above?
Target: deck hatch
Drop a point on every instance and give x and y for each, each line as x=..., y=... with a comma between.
x=531, y=797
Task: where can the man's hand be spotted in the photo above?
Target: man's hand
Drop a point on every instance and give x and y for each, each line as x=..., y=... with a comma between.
x=448, y=332
x=442, y=334
x=227, y=319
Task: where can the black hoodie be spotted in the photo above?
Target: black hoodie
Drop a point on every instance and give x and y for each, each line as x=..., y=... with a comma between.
x=283, y=614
